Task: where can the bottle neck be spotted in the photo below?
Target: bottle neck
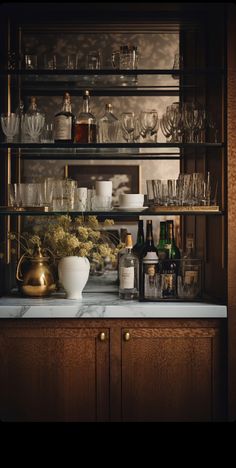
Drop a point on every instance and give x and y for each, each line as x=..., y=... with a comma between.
x=140, y=235
x=170, y=233
x=129, y=243
x=86, y=104
x=149, y=235
x=162, y=238
x=66, y=106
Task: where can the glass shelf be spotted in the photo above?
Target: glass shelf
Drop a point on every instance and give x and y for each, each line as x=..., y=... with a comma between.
x=113, y=72
x=117, y=214
x=102, y=146
x=100, y=151
x=109, y=82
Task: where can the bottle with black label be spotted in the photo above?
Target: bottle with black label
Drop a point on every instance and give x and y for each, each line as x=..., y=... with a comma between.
x=149, y=268
x=128, y=272
x=64, y=122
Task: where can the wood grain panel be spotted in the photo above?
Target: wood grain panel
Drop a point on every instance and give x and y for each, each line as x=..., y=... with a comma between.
x=231, y=121
x=167, y=375
x=49, y=376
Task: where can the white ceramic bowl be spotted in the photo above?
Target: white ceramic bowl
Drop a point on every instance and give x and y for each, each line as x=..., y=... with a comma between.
x=132, y=200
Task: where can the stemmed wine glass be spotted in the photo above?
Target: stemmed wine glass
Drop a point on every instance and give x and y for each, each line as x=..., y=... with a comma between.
x=128, y=125
x=149, y=124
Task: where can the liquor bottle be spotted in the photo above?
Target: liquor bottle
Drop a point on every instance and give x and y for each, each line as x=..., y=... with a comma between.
x=149, y=268
x=86, y=126
x=123, y=234
x=170, y=266
x=128, y=272
x=64, y=122
x=173, y=250
x=161, y=247
x=138, y=247
x=108, y=126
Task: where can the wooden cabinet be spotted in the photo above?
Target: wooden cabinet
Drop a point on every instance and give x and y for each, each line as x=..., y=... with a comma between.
x=52, y=374
x=117, y=370
x=170, y=374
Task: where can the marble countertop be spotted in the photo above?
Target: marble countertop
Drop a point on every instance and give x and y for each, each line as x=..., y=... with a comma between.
x=100, y=300
x=104, y=305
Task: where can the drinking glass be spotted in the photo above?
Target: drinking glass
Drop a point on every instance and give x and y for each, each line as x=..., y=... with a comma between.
x=47, y=133
x=93, y=60
x=31, y=61
x=80, y=202
x=148, y=121
x=50, y=61
x=101, y=203
x=14, y=195
x=10, y=125
x=177, y=65
x=33, y=125
x=128, y=125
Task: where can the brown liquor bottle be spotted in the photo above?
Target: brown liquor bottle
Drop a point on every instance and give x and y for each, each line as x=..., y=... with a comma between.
x=64, y=122
x=85, y=126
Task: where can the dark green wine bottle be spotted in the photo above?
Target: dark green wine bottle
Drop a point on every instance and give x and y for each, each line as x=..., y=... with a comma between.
x=137, y=248
x=161, y=247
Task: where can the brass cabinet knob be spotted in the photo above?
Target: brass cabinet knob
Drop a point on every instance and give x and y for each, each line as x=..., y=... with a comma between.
x=102, y=336
x=127, y=336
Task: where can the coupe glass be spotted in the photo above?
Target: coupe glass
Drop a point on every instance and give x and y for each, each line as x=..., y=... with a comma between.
x=10, y=125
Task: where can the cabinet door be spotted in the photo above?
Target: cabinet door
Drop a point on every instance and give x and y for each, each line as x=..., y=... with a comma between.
x=170, y=374
x=52, y=374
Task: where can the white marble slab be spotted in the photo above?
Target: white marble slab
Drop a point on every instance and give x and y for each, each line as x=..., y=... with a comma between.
x=104, y=305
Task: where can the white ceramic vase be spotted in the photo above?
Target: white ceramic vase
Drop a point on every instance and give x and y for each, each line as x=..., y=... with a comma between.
x=73, y=275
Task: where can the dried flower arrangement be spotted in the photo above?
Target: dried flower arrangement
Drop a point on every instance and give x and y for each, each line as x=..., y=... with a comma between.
x=65, y=236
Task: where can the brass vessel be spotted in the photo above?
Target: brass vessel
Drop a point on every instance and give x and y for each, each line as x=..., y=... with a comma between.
x=37, y=280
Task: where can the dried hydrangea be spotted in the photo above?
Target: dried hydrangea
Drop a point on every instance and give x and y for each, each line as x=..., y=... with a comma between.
x=66, y=236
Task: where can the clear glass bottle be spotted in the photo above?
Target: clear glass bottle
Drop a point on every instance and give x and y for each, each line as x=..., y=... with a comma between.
x=189, y=279
x=86, y=126
x=64, y=122
x=108, y=126
x=128, y=272
x=149, y=268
